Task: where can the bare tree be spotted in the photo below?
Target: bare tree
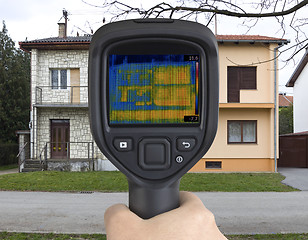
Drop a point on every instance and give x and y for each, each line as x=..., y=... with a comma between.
x=289, y=15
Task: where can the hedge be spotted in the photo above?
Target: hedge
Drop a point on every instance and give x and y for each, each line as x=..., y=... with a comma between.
x=8, y=153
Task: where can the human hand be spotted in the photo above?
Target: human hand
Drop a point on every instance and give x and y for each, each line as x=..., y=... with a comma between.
x=191, y=221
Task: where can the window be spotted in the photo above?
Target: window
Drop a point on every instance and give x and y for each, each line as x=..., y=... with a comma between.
x=59, y=78
x=242, y=131
x=240, y=78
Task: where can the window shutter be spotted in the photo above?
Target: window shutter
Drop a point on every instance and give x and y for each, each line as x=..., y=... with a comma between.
x=240, y=78
x=248, y=78
x=233, y=84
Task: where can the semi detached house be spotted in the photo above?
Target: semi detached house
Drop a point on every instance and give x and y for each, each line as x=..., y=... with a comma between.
x=247, y=136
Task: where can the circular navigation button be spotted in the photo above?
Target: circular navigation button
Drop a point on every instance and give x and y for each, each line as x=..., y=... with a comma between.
x=179, y=159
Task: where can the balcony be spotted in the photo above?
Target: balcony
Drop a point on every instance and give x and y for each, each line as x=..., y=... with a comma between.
x=68, y=96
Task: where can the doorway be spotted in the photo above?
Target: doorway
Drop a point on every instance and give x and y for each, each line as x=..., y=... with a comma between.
x=60, y=135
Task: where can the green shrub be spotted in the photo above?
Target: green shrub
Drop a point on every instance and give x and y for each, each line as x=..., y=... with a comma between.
x=8, y=153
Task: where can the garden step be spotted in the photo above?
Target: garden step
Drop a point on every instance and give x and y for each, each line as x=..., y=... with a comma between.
x=32, y=166
x=29, y=161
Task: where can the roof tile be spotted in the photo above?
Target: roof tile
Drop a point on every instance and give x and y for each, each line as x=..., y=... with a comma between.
x=285, y=101
x=248, y=37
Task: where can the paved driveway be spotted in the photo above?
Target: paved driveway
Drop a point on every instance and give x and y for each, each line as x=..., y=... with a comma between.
x=236, y=213
x=15, y=170
x=295, y=177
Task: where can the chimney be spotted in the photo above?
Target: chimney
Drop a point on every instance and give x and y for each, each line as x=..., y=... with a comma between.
x=62, y=30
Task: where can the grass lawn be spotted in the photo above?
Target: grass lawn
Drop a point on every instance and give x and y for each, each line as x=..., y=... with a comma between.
x=49, y=236
x=116, y=182
x=269, y=237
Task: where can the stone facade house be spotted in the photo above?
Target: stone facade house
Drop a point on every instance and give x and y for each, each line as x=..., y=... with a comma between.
x=247, y=130
x=59, y=104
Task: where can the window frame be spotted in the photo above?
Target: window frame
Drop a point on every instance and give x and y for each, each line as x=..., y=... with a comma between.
x=242, y=135
x=59, y=87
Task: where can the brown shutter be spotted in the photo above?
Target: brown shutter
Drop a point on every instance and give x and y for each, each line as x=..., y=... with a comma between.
x=233, y=84
x=248, y=78
x=240, y=78
x=75, y=86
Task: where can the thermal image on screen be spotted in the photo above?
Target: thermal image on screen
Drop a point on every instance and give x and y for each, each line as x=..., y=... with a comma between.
x=153, y=89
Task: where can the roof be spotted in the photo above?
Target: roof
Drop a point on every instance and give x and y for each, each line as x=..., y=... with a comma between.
x=298, y=70
x=250, y=39
x=83, y=42
x=285, y=101
x=295, y=134
x=86, y=38
x=67, y=43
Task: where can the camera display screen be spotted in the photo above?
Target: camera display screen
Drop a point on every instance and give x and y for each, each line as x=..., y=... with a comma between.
x=154, y=89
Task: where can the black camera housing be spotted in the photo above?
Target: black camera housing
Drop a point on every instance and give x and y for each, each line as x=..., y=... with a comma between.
x=153, y=155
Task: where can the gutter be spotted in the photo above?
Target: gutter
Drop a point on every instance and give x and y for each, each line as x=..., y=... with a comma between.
x=279, y=42
x=56, y=45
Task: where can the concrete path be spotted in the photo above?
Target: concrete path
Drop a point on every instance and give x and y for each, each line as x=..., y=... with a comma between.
x=236, y=213
x=15, y=170
x=295, y=177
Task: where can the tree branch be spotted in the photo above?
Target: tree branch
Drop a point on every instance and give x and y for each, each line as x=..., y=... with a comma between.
x=242, y=15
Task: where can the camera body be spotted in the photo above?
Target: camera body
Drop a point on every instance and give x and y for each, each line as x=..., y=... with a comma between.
x=153, y=103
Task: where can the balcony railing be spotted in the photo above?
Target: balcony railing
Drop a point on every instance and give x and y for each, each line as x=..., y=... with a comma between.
x=68, y=95
x=70, y=150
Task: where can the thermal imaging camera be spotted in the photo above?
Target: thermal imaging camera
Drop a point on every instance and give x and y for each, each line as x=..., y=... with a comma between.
x=153, y=103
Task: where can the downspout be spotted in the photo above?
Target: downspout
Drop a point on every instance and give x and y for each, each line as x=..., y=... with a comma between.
x=275, y=104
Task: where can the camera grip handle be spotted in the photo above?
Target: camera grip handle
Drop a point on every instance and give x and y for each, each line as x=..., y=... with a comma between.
x=148, y=202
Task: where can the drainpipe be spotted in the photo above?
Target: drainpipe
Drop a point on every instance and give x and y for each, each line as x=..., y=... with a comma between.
x=275, y=104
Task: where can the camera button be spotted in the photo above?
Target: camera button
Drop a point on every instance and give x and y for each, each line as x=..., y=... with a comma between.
x=179, y=159
x=185, y=144
x=123, y=144
x=154, y=154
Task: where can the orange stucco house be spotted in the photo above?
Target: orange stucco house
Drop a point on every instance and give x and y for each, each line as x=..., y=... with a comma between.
x=247, y=136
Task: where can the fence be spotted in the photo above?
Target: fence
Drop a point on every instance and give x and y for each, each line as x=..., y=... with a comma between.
x=78, y=152
x=71, y=150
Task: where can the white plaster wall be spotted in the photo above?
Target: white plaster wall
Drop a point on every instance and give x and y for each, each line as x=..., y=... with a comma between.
x=104, y=165
x=300, y=109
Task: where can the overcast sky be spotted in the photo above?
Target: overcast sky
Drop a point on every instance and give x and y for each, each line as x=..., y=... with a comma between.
x=35, y=19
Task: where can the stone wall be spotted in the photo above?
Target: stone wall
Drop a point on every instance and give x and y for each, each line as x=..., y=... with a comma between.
x=42, y=61
x=80, y=134
x=70, y=165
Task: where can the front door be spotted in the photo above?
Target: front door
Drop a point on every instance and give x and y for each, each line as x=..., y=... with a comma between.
x=60, y=130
